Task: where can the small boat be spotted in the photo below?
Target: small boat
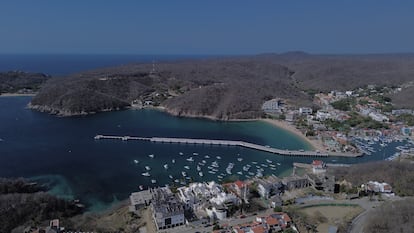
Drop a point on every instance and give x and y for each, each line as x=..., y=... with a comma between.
x=176, y=181
x=190, y=159
x=218, y=157
x=151, y=156
x=212, y=172
x=198, y=168
x=141, y=187
x=187, y=167
x=207, y=157
x=269, y=161
x=239, y=159
x=278, y=164
x=136, y=161
x=147, y=168
x=180, y=153
x=214, y=164
x=173, y=161
x=200, y=174
x=220, y=177
x=195, y=153
x=171, y=177
x=254, y=162
x=146, y=174
x=153, y=181
x=240, y=173
x=272, y=168
x=183, y=173
x=203, y=161
x=165, y=166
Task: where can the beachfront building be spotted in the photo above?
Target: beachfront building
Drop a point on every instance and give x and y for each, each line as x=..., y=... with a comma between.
x=273, y=106
x=167, y=210
x=318, y=167
x=139, y=199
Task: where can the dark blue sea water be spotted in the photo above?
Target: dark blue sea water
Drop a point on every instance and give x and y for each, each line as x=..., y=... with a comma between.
x=63, y=153
x=63, y=64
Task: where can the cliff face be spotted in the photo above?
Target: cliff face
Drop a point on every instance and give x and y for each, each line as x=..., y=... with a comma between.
x=225, y=88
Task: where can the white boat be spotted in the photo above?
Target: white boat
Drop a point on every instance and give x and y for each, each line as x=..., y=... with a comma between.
x=254, y=162
x=198, y=168
x=141, y=187
x=240, y=173
x=218, y=157
x=278, y=164
x=181, y=153
x=153, y=181
x=183, y=173
x=176, y=181
x=165, y=166
x=187, y=167
x=147, y=168
x=214, y=164
x=207, y=157
x=200, y=174
x=171, y=177
x=220, y=177
x=190, y=159
x=229, y=168
x=136, y=161
x=269, y=161
x=173, y=161
x=212, y=172
x=151, y=156
x=195, y=153
x=146, y=174
x=239, y=159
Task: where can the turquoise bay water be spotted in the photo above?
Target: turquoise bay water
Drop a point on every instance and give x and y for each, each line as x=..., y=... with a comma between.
x=62, y=153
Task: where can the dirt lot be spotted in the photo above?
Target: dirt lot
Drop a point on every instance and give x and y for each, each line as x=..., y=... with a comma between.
x=331, y=215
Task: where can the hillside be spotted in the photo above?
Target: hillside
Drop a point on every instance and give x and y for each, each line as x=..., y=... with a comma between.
x=16, y=81
x=220, y=88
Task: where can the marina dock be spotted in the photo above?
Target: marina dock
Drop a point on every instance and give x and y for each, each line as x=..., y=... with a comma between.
x=215, y=142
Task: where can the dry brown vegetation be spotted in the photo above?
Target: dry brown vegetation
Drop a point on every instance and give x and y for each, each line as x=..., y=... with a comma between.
x=398, y=174
x=222, y=88
x=396, y=216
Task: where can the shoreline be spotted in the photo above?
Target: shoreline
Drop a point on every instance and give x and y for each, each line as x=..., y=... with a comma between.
x=15, y=94
x=316, y=145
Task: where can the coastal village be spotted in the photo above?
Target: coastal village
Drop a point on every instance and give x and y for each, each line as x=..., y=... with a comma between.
x=350, y=122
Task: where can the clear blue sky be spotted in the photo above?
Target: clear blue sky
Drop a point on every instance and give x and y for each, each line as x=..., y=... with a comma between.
x=206, y=26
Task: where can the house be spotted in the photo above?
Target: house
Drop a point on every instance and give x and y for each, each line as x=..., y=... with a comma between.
x=217, y=212
x=318, y=166
x=305, y=111
x=139, y=199
x=377, y=187
x=323, y=115
x=269, y=186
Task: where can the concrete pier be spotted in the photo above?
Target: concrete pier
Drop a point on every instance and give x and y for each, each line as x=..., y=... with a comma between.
x=226, y=143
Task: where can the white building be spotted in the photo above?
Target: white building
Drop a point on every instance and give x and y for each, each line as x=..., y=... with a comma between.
x=378, y=117
x=167, y=210
x=305, y=111
x=214, y=212
x=272, y=106
x=323, y=115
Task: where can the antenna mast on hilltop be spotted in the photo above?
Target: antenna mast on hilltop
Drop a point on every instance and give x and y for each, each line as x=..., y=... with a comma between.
x=153, y=68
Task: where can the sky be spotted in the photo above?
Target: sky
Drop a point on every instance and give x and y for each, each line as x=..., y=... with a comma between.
x=206, y=27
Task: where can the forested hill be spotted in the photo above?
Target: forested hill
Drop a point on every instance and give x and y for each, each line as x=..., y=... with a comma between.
x=22, y=82
x=221, y=88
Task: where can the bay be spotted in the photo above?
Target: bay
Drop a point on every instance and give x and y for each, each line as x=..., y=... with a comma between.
x=62, y=152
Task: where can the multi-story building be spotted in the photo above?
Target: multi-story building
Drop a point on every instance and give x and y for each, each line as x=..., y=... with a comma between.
x=167, y=210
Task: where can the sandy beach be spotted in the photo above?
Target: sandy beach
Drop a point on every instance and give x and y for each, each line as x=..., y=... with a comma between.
x=14, y=94
x=315, y=144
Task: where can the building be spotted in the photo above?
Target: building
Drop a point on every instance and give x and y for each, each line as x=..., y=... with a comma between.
x=273, y=106
x=378, y=117
x=217, y=212
x=318, y=166
x=295, y=182
x=167, y=209
x=377, y=187
x=269, y=186
x=305, y=111
x=398, y=112
x=139, y=199
x=323, y=115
